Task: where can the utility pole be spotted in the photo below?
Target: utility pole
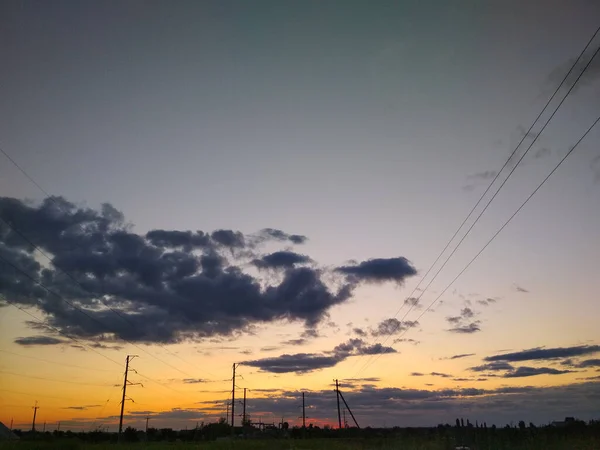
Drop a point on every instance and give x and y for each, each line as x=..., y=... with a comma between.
x=58, y=426
x=337, y=393
x=35, y=408
x=233, y=400
x=345, y=421
x=127, y=360
x=349, y=410
x=147, y=418
x=244, y=413
x=11, y=423
x=44, y=430
x=303, y=413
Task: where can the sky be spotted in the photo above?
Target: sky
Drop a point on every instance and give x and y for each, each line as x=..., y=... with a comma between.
x=267, y=183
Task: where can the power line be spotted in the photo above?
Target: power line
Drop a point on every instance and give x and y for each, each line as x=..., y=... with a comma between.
x=51, y=379
x=55, y=362
x=391, y=332
x=506, y=223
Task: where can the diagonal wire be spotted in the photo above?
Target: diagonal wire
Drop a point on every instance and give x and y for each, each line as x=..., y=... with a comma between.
x=391, y=332
x=505, y=223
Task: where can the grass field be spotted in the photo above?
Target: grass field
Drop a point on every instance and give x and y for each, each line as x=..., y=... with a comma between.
x=568, y=443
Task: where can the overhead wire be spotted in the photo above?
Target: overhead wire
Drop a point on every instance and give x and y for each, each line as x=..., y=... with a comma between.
x=389, y=333
x=591, y=127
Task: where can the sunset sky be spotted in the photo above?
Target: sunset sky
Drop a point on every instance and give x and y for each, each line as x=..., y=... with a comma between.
x=267, y=183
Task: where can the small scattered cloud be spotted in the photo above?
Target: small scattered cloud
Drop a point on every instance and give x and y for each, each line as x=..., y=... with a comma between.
x=299, y=341
x=359, y=332
x=392, y=326
x=431, y=374
x=520, y=289
x=193, y=380
x=470, y=328
x=493, y=366
x=460, y=356
x=409, y=341
x=81, y=408
x=30, y=341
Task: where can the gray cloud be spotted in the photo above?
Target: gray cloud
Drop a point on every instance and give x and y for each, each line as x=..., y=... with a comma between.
x=470, y=328
x=391, y=326
x=545, y=354
x=167, y=285
x=379, y=270
x=588, y=363
x=524, y=371
x=282, y=236
x=281, y=260
x=359, y=332
x=520, y=289
x=493, y=366
x=432, y=374
x=461, y=355
x=38, y=340
x=193, y=380
x=308, y=362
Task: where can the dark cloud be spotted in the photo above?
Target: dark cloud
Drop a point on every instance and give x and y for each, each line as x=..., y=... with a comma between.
x=524, y=371
x=281, y=260
x=423, y=407
x=461, y=355
x=38, y=340
x=229, y=238
x=283, y=236
x=177, y=239
x=389, y=327
x=588, y=363
x=166, y=286
x=431, y=374
x=470, y=328
x=493, y=366
x=308, y=362
x=546, y=353
x=298, y=363
x=379, y=270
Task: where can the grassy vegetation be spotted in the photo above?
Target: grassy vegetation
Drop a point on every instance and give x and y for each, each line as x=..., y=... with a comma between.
x=539, y=443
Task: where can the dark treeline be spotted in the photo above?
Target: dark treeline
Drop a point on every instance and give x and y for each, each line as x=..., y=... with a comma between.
x=463, y=432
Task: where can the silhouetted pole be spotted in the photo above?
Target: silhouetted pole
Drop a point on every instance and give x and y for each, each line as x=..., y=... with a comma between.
x=350, y=411
x=44, y=429
x=58, y=426
x=35, y=408
x=303, y=412
x=233, y=400
x=244, y=413
x=337, y=393
x=147, y=419
x=11, y=423
x=129, y=358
